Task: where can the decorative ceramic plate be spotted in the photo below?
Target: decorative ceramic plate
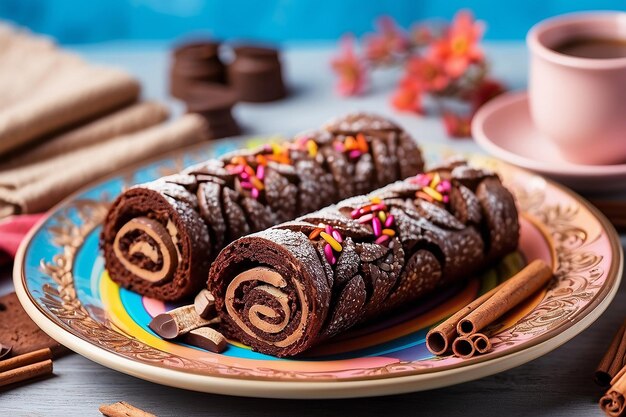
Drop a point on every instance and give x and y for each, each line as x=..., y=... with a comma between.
x=60, y=280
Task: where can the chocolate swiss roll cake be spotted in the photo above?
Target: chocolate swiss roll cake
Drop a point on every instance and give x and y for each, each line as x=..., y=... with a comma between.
x=294, y=285
x=159, y=238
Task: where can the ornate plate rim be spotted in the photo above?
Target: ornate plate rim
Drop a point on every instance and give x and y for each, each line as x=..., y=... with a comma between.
x=369, y=386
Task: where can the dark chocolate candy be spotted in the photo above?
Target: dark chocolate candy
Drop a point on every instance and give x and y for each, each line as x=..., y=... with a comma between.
x=329, y=270
x=256, y=74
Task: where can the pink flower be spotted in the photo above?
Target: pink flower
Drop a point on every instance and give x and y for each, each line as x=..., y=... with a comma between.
x=459, y=47
x=456, y=125
x=408, y=97
x=427, y=73
x=387, y=42
x=421, y=35
x=350, y=69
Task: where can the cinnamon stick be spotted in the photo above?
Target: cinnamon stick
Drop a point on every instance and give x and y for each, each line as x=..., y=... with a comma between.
x=25, y=359
x=512, y=292
x=613, y=403
x=26, y=372
x=613, y=359
x=123, y=409
x=481, y=342
x=463, y=347
x=439, y=339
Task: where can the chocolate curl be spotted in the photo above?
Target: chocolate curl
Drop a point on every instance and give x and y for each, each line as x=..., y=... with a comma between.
x=613, y=359
x=511, y=293
x=613, y=402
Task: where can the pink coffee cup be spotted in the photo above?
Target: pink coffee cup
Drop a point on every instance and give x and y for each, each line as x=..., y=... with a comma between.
x=579, y=103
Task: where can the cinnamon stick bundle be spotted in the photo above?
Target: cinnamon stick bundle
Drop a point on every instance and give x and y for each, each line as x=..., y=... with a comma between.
x=460, y=331
x=24, y=367
x=613, y=360
x=613, y=403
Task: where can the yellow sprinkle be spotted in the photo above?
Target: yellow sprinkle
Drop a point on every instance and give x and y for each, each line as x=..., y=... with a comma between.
x=436, y=179
x=331, y=241
x=311, y=147
x=276, y=148
x=375, y=200
x=433, y=193
x=389, y=232
x=382, y=216
x=257, y=183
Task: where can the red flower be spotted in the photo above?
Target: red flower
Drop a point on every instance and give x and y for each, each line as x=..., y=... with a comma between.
x=350, y=69
x=484, y=92
x=408, y=96
x=427, y=73
x=459, y=47
x=457, y=126
x=389, y=41
x=421, y=35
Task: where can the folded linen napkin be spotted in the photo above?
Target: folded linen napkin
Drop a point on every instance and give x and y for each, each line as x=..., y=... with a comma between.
x=44, y=89
x=68, y=172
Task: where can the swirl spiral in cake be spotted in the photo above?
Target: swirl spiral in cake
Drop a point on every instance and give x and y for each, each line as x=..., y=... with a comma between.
x=159, y=238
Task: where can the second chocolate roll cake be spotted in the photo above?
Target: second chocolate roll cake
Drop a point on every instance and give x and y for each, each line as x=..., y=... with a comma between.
x=159, y=238
x=292, y=286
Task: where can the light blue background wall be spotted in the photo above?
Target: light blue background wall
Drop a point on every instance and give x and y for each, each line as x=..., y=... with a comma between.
x=85, y=21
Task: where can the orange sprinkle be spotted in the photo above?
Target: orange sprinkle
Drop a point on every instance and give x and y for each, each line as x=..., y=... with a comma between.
x=261, y=159
x=424, y=196
x=249, y=170
x=389, y=232
x=239, y=160
x=257, y=183
x=350, y=143
x=315, y=233
x=363, y=147
x=375, y=200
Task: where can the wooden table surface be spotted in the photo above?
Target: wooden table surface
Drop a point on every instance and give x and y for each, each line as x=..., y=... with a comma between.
x=557, y=384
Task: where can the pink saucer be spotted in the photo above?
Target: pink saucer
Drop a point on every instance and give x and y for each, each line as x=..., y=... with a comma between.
x=503, y=128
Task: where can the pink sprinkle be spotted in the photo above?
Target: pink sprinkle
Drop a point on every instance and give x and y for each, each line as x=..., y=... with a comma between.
x=260, y=172
x=245, y=185
x=355, y=154
x=439, y=187
x=337, y=236
x=328, y=252
x=446, y=185
x=255, y=193
x=237, y=169
x=376, y=226
x=378, y=207
x=339, y=147
x=366, y=218
x=328, y=229
x=355, y=213
x=446, y=199
x=244, y=175
x=382, y=239
x=389, y=221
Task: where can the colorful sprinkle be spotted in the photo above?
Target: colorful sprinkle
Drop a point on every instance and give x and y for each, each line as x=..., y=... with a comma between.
x=389, y=221
x=355, y=213
x=311, y=146
x=375, y=200
x=433, y=193
x=382, y=239
x=362, y=143
x=315, y=233
x=328, y=229
x=257, y=183
x=366, y=218
x=245, y=185
x=331, y=241
x=337, y=236
x=330, y=256
x=376, y=226
x=260, y=172
x=389, y=232
x=379, y=206
x=382, y=216
x=255, y=193
x=355, y=154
